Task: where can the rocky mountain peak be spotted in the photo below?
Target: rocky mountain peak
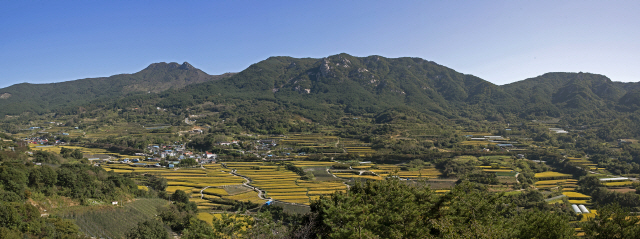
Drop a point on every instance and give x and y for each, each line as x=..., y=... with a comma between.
x=186, y=66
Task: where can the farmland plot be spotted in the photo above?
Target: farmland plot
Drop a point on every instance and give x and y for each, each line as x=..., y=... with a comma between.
x=112, y=222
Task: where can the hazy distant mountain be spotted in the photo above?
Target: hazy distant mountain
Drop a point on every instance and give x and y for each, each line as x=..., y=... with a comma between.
x=42, y=98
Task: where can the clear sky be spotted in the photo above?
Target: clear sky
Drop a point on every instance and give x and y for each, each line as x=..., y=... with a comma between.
x=499, y=41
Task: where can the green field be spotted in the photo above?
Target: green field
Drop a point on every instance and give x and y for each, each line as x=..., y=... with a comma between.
x=113, y=222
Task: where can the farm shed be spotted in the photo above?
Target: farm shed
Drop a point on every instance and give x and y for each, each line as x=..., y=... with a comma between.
x=576, y=209
x=583, y=208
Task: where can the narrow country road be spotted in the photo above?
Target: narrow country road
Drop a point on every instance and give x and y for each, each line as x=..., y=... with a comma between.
x=554, y=198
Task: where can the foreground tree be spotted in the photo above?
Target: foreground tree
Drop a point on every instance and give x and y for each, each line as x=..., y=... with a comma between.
x=394, y=209
x=613, y=222
x=150, y=229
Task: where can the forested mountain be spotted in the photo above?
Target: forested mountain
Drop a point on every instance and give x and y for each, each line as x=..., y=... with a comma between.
x=321, y=88
x=43, y=98
x=555, y=93
x=325, y=89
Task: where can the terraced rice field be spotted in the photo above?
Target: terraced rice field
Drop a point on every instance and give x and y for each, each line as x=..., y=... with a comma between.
x=567, y=184
x=309, y=140
x=348, y=175
x=579, y=201
x=278, y=182
x=312, y=163
x=477, y=143
x=576, y=195
x=551, y=175
x=384, y=170
x=618, y=184
x=362, y=151
x=422, y=173
x=250, y=196
x=283, y=185
x=194, y=180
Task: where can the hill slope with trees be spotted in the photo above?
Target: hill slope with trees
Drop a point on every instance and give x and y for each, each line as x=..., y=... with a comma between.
x=65, y=96
x=269, y=94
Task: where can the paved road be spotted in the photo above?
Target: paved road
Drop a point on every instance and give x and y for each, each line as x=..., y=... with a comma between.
x=554, y=198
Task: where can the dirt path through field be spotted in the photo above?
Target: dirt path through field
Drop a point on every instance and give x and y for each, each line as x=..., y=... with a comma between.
x=247, y=182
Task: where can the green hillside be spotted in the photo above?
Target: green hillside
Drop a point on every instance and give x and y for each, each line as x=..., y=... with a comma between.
x=43, y=98
x=270, y=93
x=338, y=84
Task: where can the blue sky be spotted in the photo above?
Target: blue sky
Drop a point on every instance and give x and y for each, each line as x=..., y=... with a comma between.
x=499, y=41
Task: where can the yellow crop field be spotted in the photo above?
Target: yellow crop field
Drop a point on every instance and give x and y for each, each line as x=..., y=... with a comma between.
x=216, y=191
x=579, y=201
x=551, y=181
x=278, y=182
x=425, y=173
x=575, y=195
x=626, y=183
x=322, y=188
x=546, y=186
x=183, y=183
x=298, y=197
x=351, y=175
x=477, y=142
x=172, y=189
x=312, y=163
x=250, y=196
x=207, y=217
x=311, y=184
x=287, y=190
x=551, y=174
x=325, y=192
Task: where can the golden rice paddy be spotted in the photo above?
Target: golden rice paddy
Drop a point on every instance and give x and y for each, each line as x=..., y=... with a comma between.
x=551, y=174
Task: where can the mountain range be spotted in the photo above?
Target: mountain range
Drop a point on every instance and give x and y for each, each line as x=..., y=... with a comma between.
x=335, y=85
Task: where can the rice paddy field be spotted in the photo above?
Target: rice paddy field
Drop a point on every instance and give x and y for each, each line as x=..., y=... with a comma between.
x=576, y=196
x=309, y=140
x=276, y=181
x=321, y=143
x=283, y=185
x=552, y=175
x=477, y=143
x=206, y=186
x=214, y=183
x=566, y=184
x=618, y=184
x=384, y=170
